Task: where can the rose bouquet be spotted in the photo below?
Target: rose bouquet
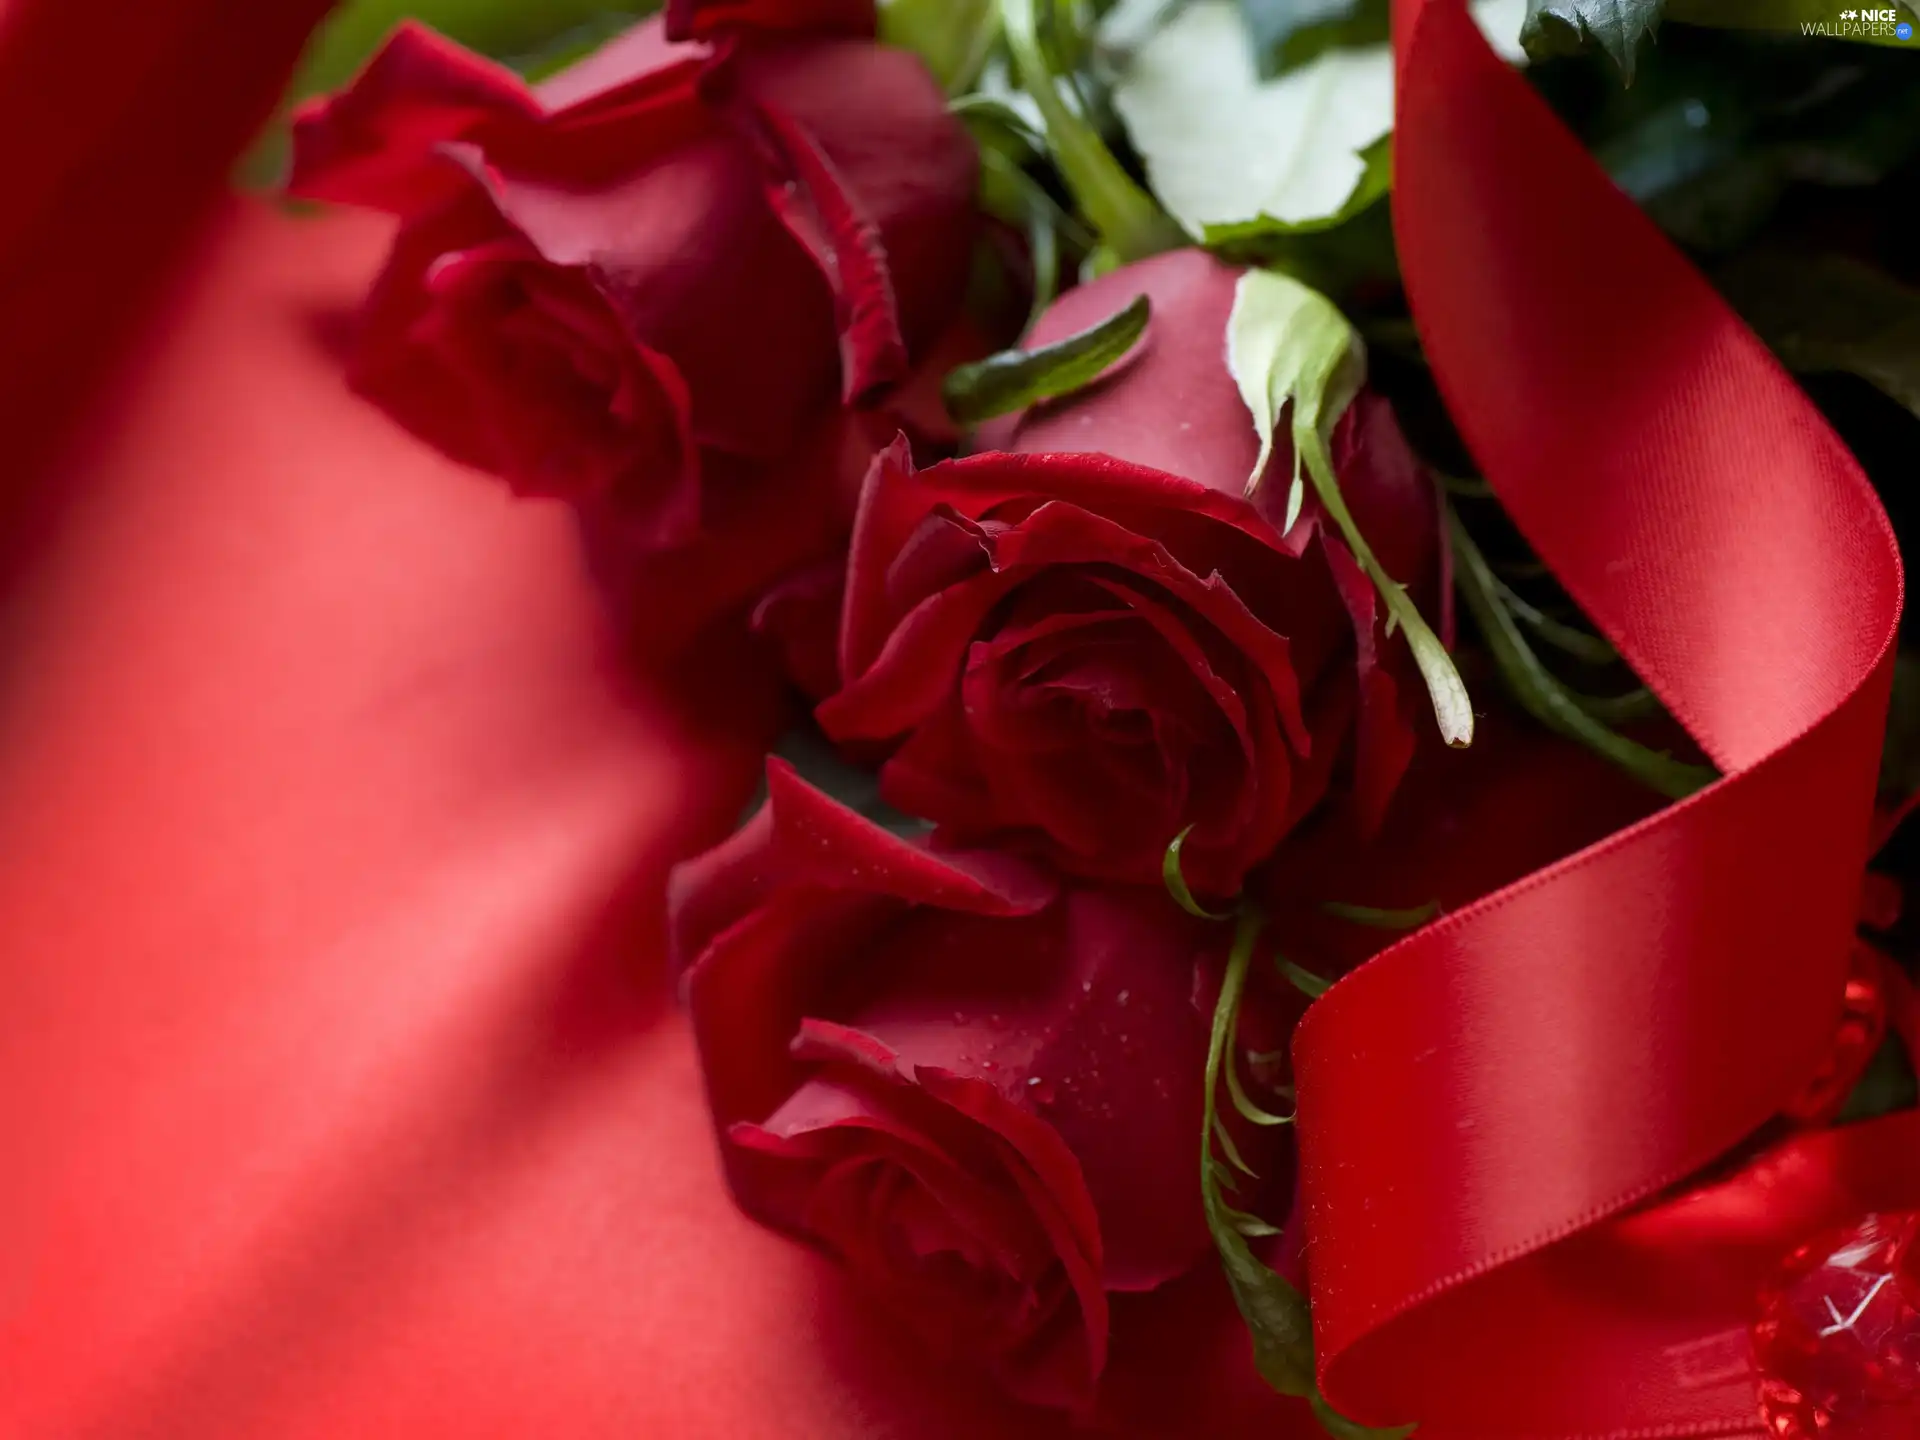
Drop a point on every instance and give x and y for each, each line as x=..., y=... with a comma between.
x=1020, y=1024
x=1316, y=687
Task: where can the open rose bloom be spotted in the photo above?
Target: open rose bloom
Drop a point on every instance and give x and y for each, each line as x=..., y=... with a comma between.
x=1088, y=640
x=579, y=857
x=655, y=284
x=944, y=1068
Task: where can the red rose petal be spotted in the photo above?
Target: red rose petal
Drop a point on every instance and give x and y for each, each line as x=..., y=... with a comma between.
x=1084, y=1019
x=917, y=668
x=687, y=253
x=838, y=1114
x=801, y=618
x=895, y=159
x=807, y=193
x=1039, y=1165
x=701, y=19
x=927, y=775
x=632, y=68
x=373, y=143
x=1175, y=407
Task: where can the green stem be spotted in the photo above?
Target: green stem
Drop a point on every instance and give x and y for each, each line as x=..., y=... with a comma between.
x=1252, y=1113
x=1226, y=1013
x=1173, y=872
x=1130, y=222
x=1637, y=704
x=1411, y=918
x=1277, y=1316
x=1542, y=695
x=1451, y=706
x=1580, y=644
x=953, y=37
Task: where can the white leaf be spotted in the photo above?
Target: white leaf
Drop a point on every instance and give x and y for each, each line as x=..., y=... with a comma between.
x=1221, y=147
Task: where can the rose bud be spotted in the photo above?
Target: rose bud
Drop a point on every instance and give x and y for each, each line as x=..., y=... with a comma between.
x=1088, y=641
x=976, y=1086
x=651, y=283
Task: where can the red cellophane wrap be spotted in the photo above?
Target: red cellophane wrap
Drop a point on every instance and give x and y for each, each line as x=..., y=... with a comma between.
x=1488, y=1108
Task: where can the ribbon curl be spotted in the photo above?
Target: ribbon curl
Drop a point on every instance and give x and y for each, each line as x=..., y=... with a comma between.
x=1491, y=1109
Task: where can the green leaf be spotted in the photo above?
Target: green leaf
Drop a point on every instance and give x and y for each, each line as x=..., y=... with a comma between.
x=1341, y=1428
x=1128, y=219
x=1637, y=704
x=1253, y=1114
x=1253, y=1227
x=1224, y=1138
x=1566, y=27
x=1015, y=379
x=1888, y=1085
x=994, y=123
x=953, y=37
x=1304, y=980
x=1620, y=27
x=1710, y=138
x=1008, y=144
x=1275, y=1312
x=1289, y=347
x=1828, y=312
x=1223, y=148
x=1540, y=692
x=1582, y=645
x=1010, y=194
x=1376, y=919
x=1175, y=876
x=1264, y=234
x=1288, y=33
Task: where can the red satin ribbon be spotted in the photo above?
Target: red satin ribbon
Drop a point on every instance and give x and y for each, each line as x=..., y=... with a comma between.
x=1485, y=1105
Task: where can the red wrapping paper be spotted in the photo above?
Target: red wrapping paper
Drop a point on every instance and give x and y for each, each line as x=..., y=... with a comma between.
x=340, y=1087
x=119, y=123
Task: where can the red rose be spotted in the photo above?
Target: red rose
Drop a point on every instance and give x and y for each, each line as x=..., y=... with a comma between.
x=650, y=283
x=1091, y=641
x=701, y=19
x=976, y=1086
